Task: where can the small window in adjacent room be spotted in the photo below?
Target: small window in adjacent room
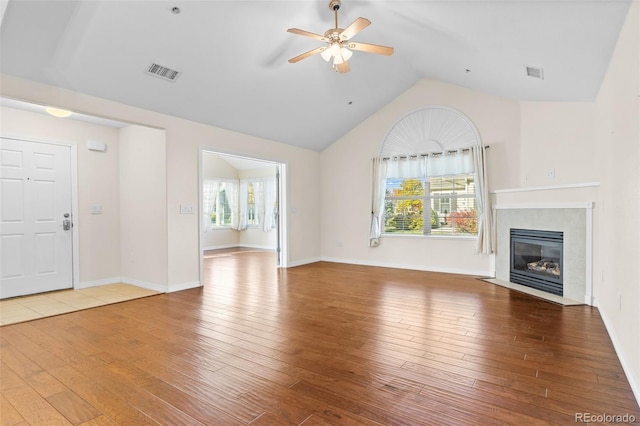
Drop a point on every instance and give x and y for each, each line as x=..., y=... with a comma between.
x=252, y=217
x=216, y=203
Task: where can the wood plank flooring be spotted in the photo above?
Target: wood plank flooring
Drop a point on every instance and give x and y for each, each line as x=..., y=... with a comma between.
x=321, y=344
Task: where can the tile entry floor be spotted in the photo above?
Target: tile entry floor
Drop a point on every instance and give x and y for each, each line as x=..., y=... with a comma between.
x=26, y=308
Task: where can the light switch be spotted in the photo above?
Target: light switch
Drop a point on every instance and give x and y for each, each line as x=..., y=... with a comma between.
x=187, y=209
x=96, y=209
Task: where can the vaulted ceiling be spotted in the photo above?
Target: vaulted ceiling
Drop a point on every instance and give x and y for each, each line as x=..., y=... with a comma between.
x=233, y=55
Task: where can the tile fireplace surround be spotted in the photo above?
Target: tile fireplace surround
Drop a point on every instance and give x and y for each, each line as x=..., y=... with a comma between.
x=574, y=220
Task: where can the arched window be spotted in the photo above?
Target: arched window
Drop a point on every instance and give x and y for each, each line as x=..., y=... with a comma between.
x=430, y=178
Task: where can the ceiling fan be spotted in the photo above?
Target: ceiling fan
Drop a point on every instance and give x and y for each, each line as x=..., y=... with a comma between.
x=338, y=42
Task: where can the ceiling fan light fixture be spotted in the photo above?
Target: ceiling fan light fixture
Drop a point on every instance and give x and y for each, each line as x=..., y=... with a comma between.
x=335, y=49
x=338, y=42
x=346, y=53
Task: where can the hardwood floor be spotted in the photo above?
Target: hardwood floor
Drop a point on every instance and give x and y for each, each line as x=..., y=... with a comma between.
x=322, y=344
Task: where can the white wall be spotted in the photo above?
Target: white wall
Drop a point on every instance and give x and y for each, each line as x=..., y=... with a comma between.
x=558, y=137
x=346, y=181
x=98, y=183
x=143, y=200
x=617, y=286
x=184, y=140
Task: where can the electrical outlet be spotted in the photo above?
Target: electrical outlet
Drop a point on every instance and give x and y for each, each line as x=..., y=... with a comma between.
x=551, y=173
x=339, y=243
x=96, y=209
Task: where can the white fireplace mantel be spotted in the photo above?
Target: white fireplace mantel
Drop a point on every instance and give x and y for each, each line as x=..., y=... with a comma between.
x=574, y=219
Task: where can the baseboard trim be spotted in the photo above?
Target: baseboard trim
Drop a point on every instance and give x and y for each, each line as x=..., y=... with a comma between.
x=183, y=286
x=228, y=246
x=98, y=283
x=427, y=268
x=257, y=246
x=295, y=263
x=220, y=247
x=140, y=283
x=633, y=381
x=144, y=284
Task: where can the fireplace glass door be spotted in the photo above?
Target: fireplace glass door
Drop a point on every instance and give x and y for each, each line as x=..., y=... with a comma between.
x=536, y=259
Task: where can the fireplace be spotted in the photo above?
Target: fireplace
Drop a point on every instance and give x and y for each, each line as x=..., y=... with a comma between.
x=536, y=259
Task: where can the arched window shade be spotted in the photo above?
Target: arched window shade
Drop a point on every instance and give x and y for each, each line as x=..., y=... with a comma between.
x=440, y=141
x=430, y=129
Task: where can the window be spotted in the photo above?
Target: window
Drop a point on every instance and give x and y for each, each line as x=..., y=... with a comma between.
x=430, y=178
x=216, y=203
x=416, y=203
x=252, y=217
x=239, y=204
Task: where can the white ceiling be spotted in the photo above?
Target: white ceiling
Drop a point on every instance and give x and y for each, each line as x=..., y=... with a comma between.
x=233, y=55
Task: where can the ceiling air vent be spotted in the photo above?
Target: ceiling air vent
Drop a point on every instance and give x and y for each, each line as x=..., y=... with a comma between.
x=163, y=72
x=535, y=72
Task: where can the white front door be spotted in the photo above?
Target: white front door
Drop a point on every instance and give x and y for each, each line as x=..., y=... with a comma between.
x=35, y=218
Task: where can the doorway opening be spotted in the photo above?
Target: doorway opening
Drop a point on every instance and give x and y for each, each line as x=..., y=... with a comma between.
x=242, y=206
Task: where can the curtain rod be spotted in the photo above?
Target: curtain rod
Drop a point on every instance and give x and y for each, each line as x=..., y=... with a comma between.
x=434, y=154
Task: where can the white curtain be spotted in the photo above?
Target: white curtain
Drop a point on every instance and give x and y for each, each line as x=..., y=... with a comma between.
x=485, y=243
x=405, y=167
x=209, y=196
x=232, y=198
x=378, y=184
x=243, y=204
x=453, y=163
x=259, y=201
x=268, y=202
x=421, y=166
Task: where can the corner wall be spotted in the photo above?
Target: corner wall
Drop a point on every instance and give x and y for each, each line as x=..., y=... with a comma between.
x=617, y=130
x=143, y=200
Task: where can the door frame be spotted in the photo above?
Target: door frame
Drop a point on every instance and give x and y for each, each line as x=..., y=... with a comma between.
x=283, y=239
x=75, y=216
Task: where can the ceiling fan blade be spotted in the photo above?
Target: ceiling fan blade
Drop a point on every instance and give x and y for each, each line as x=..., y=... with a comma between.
x=307, y=34
x=354, y=28
x=343, y=67
x=371, y=48
x=307, y=54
